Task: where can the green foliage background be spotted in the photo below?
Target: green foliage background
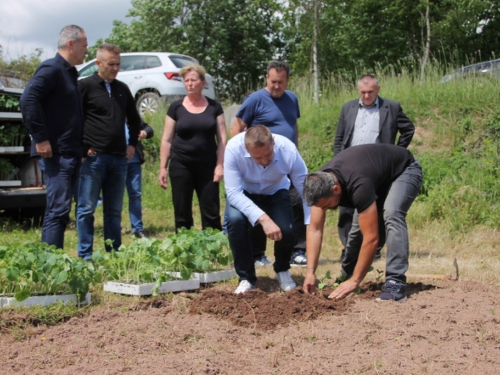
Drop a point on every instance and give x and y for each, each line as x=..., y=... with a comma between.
x=235, y=39
x=458, y=123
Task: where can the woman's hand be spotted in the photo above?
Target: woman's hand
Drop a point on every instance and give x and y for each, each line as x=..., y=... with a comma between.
x=163, y=178
x=218, y=173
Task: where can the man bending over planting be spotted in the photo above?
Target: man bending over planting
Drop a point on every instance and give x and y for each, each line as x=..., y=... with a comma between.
x=258, y=167
x=376, y=180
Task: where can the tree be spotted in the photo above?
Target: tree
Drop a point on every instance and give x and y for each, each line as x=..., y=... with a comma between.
x=23, y=67
x=232, y=39
x=359, y=36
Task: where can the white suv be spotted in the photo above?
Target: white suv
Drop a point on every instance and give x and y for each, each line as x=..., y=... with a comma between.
x=151, y=76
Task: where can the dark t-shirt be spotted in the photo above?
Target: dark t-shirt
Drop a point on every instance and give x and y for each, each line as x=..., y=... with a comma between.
x=195, y=133
x=366, y=172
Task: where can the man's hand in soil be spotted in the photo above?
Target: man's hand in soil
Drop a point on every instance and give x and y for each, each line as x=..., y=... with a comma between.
x=344, y=289
x=309, y=283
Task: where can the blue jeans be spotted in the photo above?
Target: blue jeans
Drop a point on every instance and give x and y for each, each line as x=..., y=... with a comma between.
x=279, y=209
x=60, y=176
x=109, y=173
x=134, y=191
x=400, y=197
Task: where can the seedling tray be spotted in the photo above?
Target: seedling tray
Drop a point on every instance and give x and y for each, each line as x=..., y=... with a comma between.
x=10, y=183
x=146, y=289
x=43, y=300
x=210, y=277
x=7, y=149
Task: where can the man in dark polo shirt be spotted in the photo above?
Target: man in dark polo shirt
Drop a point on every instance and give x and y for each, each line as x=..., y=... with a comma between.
x=373, y=179
x=52, y=112
x=107, y=104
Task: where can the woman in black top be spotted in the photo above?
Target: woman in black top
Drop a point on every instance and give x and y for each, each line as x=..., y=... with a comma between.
x=192, y=152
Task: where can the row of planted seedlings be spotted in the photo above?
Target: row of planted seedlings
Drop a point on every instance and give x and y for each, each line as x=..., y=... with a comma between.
x=35, y=273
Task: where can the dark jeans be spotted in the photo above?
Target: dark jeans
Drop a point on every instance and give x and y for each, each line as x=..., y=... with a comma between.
x=259, y=238
x=107, y=173
x=187, y=177
x=134, y=191
x=401, y=195
x=60, y=176
x=279, y=209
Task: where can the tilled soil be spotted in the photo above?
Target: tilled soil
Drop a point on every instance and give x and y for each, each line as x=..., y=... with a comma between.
x=443, y=328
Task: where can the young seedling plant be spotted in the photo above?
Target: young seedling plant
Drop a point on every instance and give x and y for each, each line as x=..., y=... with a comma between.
x=322, y=281
x=153, y=261
x=31, y=269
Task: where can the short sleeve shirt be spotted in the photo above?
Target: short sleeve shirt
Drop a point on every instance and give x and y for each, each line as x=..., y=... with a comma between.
x=195, y=133
x=280, y=115
x=366, y=172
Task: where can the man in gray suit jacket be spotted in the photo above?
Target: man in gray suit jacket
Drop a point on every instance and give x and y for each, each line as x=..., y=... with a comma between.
x=369, y=119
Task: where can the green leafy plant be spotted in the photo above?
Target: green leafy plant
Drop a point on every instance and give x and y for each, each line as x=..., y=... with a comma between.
x=322, y=281
x=6, y=169
x=11, y=135
x=38, y=269
x=143, y=261
x=152, y=261
x=204, y=251
x=340, y=279
x=9, y=103
x=379, y=274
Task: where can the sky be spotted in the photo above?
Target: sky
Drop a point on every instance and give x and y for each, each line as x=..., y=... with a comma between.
x=29, y=24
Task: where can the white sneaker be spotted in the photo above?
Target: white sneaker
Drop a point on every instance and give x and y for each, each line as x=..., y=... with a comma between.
x=286, y=281
x=244, y=286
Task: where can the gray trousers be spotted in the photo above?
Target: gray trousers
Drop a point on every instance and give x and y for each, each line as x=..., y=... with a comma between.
x=400, y=197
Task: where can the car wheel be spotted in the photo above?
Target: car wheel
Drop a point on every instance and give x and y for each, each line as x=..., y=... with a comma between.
x=148, y=102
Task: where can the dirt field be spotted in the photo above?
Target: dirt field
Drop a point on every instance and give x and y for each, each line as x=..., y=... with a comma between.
x=444, y=328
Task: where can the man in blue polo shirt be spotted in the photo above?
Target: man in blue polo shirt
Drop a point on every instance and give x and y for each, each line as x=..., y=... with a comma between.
x=277, y=108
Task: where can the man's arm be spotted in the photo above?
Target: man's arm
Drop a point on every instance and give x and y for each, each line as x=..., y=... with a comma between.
x=221, y=147
x=147, y=129
x=38, y=88
x=314, y=239
x=368, y=224
x=133, y=118
x=234, y=184
x=298, y=174
x=405, y=127
x=165, y=148
x=297, y=135
x=237, y=127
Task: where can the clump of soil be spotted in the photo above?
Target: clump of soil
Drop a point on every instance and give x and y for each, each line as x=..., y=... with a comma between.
x=263, y=311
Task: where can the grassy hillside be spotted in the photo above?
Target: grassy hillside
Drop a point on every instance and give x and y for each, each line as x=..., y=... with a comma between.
x=457, y=141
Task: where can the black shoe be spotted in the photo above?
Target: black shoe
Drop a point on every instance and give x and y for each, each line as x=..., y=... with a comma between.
x=298, y=259
x=139, y=234
x=393, y=291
